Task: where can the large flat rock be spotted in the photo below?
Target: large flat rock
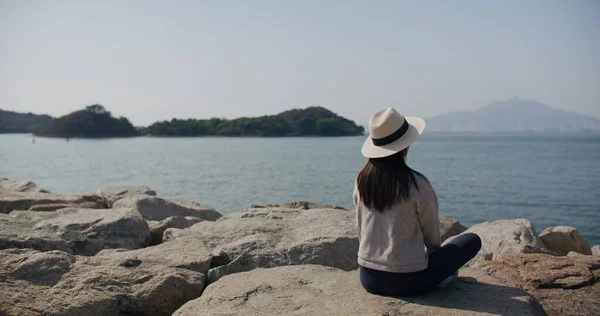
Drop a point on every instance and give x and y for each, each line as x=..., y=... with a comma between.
x=270, y=237
x=563, y=285
x=55, y=283
x=505, y=237
x=319, y=290
x=78, y=231
x=156, y=209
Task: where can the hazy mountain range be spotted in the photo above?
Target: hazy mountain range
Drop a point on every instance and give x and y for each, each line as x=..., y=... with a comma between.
x=512, y=116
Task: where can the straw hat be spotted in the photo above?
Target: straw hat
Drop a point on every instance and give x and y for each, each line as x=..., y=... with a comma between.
x=391, y=133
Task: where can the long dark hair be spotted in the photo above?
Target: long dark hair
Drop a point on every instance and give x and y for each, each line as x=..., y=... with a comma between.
x=384, y=182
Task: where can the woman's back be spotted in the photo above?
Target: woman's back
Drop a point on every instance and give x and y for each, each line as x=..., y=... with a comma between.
x=394, y=239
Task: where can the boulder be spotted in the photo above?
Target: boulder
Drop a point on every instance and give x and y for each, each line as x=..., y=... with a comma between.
x=58, y=206
x=298, y=205
x=450, y=227
x=319, y=290
x=271, y=237
x=20, y=186
x=78, y=231
x=596, y=250
x=11, y=201
x=562, y=285
x=156, y=209
x=504, y=237
x=157, y=229
x=55, y=283
x=188, y=253
x=111, y=194
x=563, y=239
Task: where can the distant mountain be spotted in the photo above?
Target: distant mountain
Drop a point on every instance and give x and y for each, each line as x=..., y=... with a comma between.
x=13, y=122
x=92, y=122
x=513, y=115
x=312, y=121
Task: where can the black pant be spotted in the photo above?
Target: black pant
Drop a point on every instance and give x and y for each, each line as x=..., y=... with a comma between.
x=442, y=264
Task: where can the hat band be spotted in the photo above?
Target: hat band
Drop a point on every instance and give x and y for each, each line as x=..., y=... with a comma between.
x=392, y=137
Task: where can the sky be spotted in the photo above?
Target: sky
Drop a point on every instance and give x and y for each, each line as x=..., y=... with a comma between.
x=155, y=60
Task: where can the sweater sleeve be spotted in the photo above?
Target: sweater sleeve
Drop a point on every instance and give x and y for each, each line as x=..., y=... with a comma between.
x=429, y=218
x=356, y=201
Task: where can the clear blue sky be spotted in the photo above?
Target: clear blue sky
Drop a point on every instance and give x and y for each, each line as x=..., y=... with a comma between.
x=152, y=60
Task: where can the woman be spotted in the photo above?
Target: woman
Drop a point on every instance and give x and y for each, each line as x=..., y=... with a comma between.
x=397, y=216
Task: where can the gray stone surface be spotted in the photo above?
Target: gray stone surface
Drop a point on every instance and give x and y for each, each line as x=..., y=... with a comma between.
x=78, y=231
x=505, y=237
x=156, y=209
x=563, y=239
x=270, y=237
x=55, y=283
x=187, y=253
x=318, y=290
x=111, y=194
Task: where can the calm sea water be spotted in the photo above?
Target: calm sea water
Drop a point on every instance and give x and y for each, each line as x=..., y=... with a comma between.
x=549, y=179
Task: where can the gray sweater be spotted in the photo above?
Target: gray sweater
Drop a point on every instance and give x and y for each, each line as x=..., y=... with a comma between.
x=394, y=240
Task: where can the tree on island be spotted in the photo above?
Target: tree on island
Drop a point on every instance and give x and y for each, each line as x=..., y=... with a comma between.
x=312, y=121
x=92, y=122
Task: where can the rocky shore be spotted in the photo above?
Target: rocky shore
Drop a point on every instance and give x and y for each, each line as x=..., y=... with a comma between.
x=126, y=251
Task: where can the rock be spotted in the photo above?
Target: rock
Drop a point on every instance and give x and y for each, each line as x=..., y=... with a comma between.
x=562, y=285
x=187, y=253
x=157, y=229
x=318, y=290
x=20, y=186
x=596, y=250
x=504, y=237
x=562, y=239
x=58, y=284
x=298, y=205
x=113, y=194
x=11, y=201
x=450, y=227
x=271, y=237
x=78, y=231
x=156, y=209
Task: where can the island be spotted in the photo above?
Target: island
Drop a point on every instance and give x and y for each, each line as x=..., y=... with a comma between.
x=92, y=122
x=312, y=121
x=13, y=122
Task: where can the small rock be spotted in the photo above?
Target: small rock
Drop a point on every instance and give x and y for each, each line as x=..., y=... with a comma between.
x=319, y=290
x=156, y=209
x=112, y=194
x=20, y=186
x=596, y=250
x=563, y=239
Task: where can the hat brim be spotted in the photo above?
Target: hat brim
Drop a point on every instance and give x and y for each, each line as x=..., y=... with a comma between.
x=415, y=129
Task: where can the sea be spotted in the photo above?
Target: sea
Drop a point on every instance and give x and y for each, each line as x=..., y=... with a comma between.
x=550, y=179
